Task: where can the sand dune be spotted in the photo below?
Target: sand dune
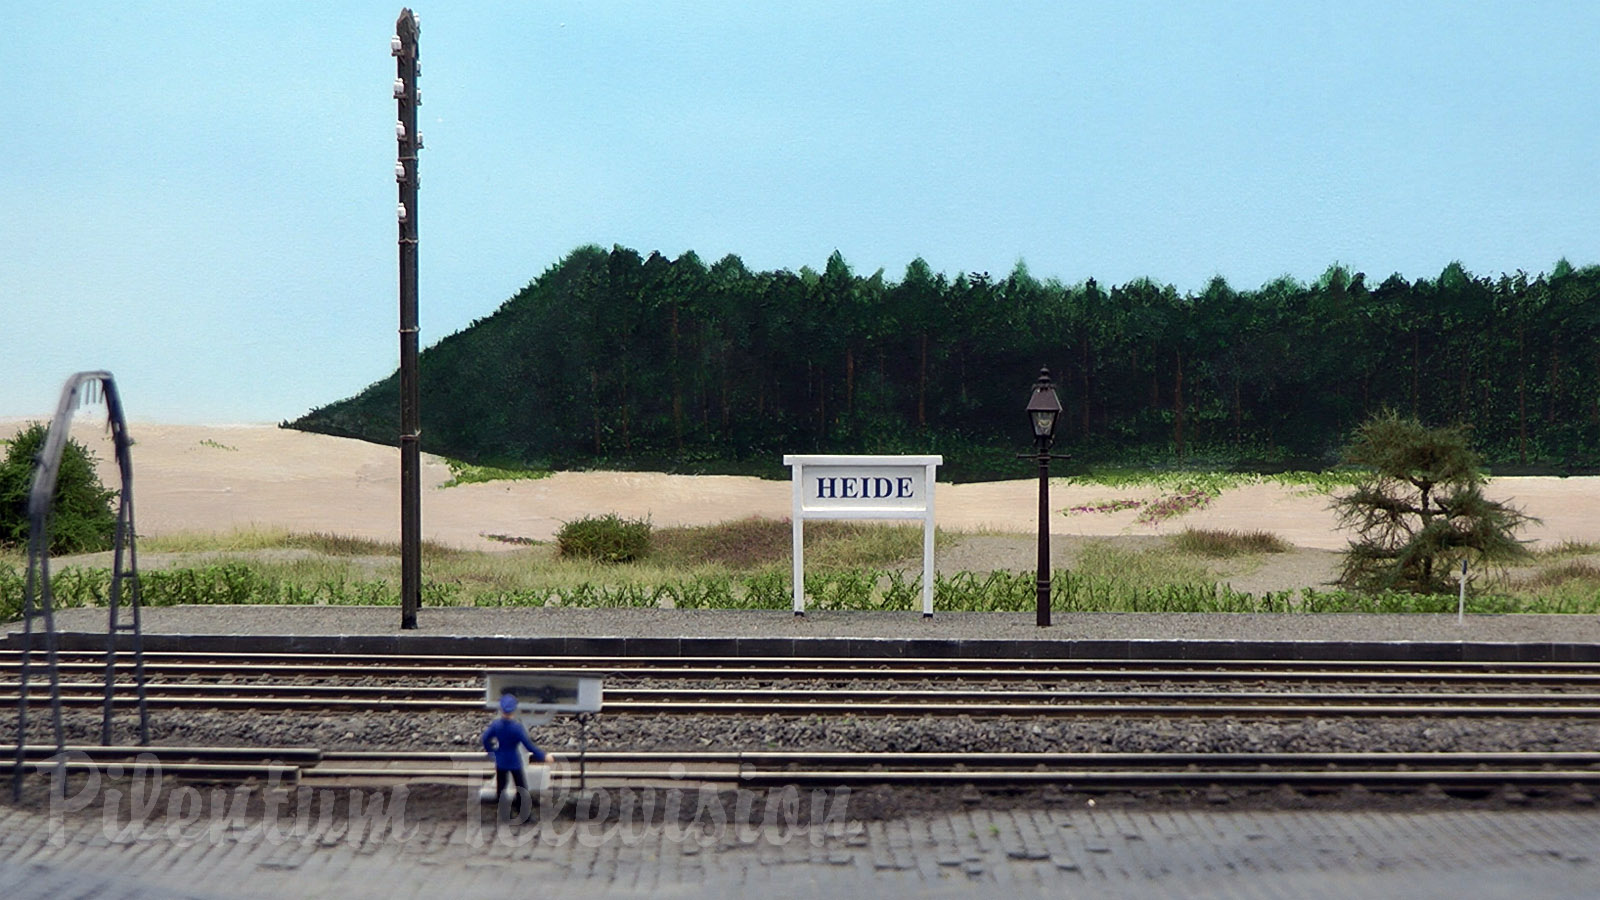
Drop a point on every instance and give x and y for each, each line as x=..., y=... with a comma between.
x=219, y=478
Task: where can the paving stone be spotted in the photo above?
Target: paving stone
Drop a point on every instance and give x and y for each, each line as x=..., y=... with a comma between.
x=1159, y=854
x=892, y=865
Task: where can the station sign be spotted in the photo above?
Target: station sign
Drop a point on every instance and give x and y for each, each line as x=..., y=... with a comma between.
x=863, y=487
x=867, y=489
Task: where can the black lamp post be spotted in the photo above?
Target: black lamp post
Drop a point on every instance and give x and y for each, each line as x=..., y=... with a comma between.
x=1044, y=408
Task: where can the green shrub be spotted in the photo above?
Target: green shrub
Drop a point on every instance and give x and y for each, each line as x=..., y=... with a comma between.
x=768, y=590
x=70, y=588
x=468, y=473
x=222, y=584
x=608, y=538
x=11, y=586
x=840, y=590
x=81, y=521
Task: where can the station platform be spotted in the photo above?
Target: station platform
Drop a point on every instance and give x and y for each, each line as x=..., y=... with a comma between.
x=770, y=633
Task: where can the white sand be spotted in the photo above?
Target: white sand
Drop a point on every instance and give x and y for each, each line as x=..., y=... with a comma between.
x=191, y=478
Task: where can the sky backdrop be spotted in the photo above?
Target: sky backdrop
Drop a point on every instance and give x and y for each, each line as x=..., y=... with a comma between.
x=199, y=196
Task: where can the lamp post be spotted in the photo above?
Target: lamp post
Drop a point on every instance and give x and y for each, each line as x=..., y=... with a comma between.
x=1044, y=408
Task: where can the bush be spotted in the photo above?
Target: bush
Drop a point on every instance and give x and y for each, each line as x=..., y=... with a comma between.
x=608, y=538
x=11, y=586
x=82, y=520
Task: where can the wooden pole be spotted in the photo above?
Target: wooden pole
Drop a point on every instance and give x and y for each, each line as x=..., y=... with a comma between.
x=409, y=142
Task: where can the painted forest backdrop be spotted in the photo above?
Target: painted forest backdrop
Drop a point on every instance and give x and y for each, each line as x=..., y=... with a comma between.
x=620, y=360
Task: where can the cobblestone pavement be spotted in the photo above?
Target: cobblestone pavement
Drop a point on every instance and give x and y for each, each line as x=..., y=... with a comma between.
x=1016, y=853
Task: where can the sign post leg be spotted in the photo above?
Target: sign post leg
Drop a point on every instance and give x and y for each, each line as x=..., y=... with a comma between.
x=797, y=517
x=583, y=752
x=927, y=549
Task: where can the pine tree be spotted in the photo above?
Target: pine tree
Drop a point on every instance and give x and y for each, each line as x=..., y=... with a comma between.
x=1421, y=510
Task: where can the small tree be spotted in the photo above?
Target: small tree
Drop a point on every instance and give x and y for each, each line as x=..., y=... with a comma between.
x=82, y=520
x=1421, y=509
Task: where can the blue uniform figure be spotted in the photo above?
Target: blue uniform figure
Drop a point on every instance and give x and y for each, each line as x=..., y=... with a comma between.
x=503, y=740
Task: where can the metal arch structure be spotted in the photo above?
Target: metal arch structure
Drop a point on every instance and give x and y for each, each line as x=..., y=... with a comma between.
x=37, y=600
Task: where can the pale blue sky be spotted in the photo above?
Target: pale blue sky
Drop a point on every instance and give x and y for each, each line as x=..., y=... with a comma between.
x=200, y=196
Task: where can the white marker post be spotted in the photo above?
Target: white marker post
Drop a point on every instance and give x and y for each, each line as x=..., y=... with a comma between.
x=863, y=487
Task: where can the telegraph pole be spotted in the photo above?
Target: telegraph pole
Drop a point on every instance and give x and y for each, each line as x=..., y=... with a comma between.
x=404, y=47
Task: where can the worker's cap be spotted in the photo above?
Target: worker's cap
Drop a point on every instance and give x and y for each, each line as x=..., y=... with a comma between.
x=508, y=703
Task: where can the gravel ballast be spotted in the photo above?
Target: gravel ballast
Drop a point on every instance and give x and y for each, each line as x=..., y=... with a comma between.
x=459, y=732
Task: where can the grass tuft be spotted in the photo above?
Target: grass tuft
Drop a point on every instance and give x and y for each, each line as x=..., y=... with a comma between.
x=1138, y=568
x=1579, y=570
x=754, y=542
x=1567, y=548
x=342, y=545
x=740, y=544
x=1215, y=543
x=250, y=539
x=511, y=539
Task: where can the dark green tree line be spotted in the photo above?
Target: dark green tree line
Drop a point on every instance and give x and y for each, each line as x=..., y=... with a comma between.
x=643, y=360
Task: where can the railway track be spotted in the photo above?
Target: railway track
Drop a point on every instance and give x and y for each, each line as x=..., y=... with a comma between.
x=319, y=685
x=980, y=701
x=1087, y=772
x=264, y=668
x=998, y=669
x=1071, y=770
x=733, y=686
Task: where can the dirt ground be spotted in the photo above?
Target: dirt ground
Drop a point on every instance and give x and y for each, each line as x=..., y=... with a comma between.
x=198, y=478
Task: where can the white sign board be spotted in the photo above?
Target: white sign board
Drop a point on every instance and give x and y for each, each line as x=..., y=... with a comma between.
x=863, y=487
x=541, y=694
